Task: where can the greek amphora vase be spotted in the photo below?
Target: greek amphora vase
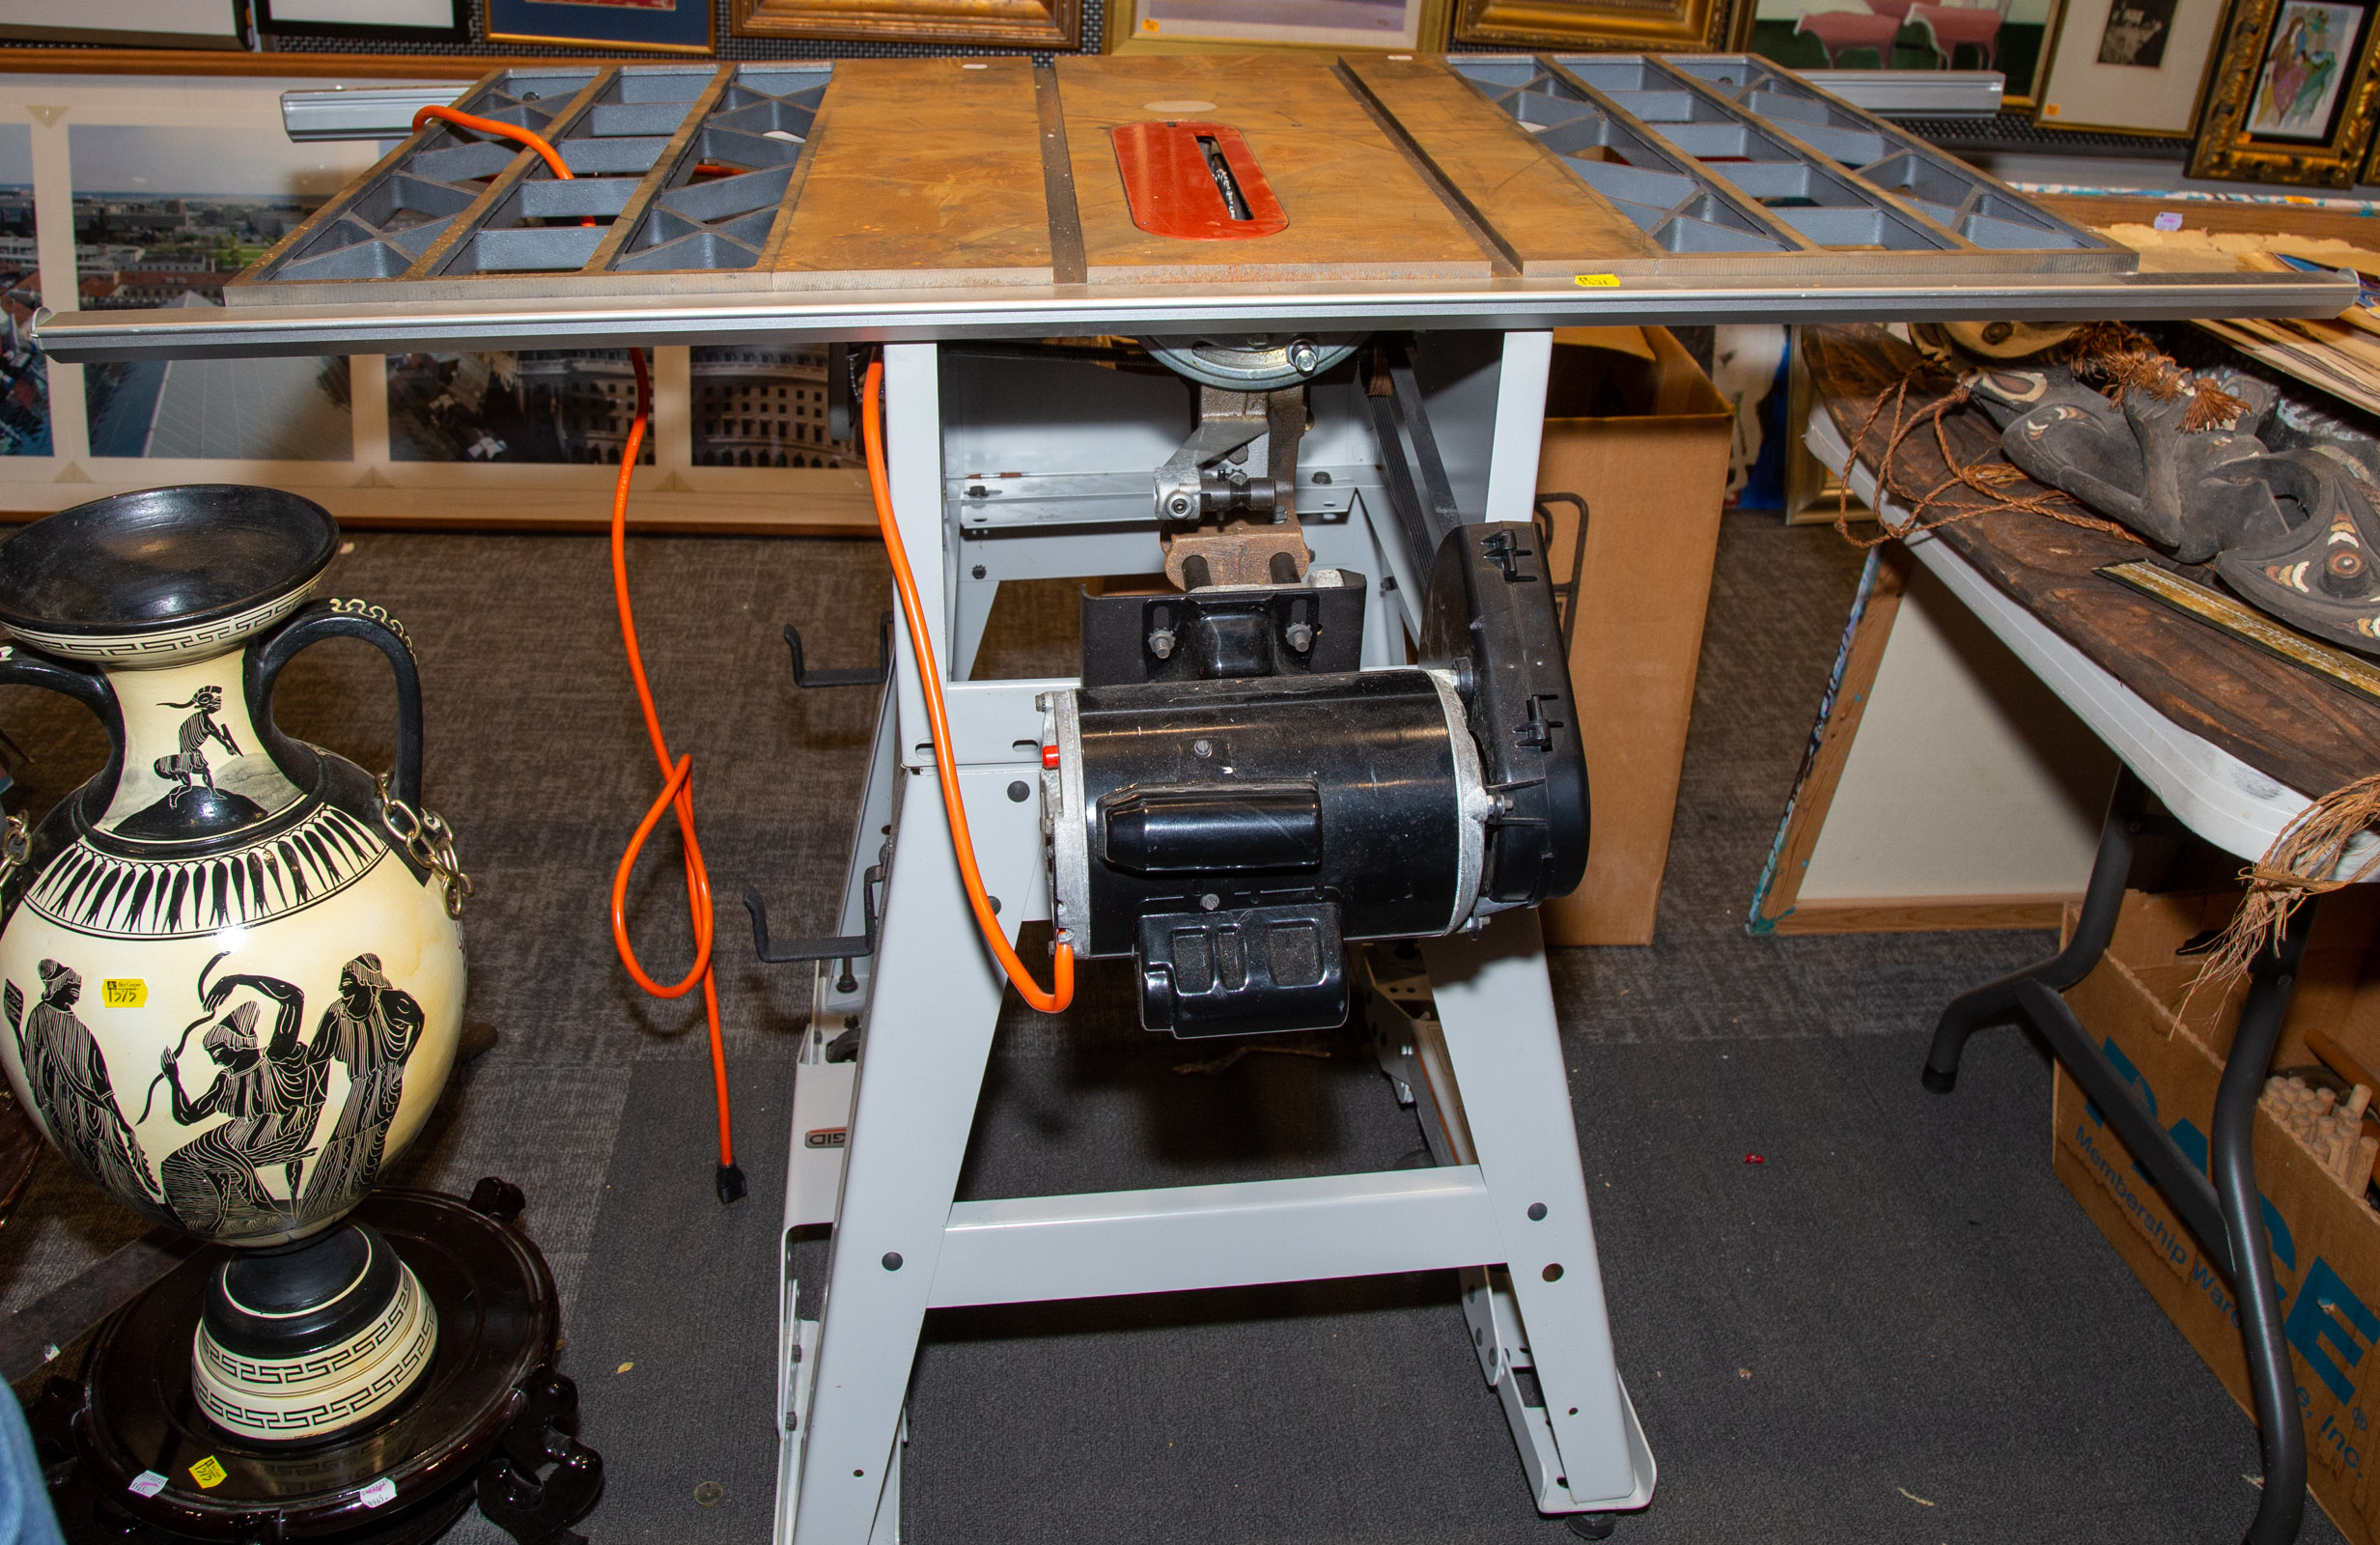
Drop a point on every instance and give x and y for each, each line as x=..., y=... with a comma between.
x=231, y=971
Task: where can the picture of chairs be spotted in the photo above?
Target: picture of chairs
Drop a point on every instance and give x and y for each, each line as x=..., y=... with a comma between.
x=1876, y=27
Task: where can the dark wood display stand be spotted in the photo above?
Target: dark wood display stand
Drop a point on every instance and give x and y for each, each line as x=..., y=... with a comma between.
x=130, y=1458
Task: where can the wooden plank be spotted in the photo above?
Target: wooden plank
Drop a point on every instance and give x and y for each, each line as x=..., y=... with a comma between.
x=1548, y=220
x=1864, y=638
x=231, y=61
x=1923, y=915
x=1356, y=209
x=928, y=171
x=827, y=511
x=2288, y=723
x=2267, y=217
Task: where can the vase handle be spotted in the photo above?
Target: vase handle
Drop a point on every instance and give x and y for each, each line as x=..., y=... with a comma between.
x=87, y=686
x=348, y=619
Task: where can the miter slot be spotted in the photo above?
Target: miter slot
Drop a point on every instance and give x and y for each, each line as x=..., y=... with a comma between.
x=384, y=225
x=721, y=196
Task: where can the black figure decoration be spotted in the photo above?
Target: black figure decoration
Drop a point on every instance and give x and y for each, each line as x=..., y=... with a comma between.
x=190, y=762
x=68, y=1078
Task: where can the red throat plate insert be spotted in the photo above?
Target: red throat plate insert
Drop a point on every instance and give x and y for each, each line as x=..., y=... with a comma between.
x=1196, y=181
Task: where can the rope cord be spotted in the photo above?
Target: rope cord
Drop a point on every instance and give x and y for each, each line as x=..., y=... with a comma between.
x=1988, y=478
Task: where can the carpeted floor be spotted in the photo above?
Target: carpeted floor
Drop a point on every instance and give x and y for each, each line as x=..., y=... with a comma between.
x=1898, y=1327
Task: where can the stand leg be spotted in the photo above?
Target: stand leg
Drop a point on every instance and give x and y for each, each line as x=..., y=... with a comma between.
x=936, y=997
x=2226, y=1213
x=2100, y=902
x=2281, y=1431
x=1497, y=1010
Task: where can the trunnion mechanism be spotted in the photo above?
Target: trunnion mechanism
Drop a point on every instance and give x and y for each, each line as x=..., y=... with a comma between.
x=1231, y=802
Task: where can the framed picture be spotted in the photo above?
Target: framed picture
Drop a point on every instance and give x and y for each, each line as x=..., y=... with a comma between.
x=667, y=26
x=399, y=21
x=1315, y=23
x=2292, y=99
x=2129, y=66
x=1001, y=23
x=124, y=23
x=1677, y=26
x=2010, y=36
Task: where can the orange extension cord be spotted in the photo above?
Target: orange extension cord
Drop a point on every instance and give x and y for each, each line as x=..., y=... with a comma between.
x=676, y=793
x=489, y=125
x=946, y=764
x=678, y=776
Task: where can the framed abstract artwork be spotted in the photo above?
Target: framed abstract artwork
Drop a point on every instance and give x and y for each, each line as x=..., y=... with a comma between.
x=2129, y=66
x=2292, y=94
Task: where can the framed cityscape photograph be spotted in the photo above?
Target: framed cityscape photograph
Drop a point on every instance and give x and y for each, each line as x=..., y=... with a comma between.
x=2010, y=36
x=2130, y=67
x=396, y=20
x=2292, y=95
x=666, y=26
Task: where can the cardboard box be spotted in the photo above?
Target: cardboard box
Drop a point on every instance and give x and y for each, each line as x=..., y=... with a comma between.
x=1634, y=428
x=2325, y=1240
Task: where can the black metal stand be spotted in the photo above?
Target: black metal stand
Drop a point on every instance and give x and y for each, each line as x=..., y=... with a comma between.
x=2224, y=1212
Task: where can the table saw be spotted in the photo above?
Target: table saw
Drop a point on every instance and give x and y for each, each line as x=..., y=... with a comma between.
x=1276, y=328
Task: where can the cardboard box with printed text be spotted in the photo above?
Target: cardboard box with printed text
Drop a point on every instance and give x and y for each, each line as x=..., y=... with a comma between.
x=2325, y=1240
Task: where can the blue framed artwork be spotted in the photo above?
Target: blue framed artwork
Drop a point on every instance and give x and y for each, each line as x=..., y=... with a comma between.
x=670, y=26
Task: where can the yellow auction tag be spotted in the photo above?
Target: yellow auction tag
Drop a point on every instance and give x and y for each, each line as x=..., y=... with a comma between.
x=1598, y=281
x=208, y=1472
x=124, y=992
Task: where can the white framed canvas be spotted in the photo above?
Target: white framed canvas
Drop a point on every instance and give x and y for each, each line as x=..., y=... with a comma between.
x=124, y=23
x=2131, y=67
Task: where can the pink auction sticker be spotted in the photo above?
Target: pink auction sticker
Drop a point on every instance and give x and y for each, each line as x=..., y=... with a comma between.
x=380, y=1494
x=148, y=1484
x=2169, y=220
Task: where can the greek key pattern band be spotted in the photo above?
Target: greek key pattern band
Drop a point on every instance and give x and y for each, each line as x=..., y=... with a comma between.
x=157, y=645
x=296, y=1371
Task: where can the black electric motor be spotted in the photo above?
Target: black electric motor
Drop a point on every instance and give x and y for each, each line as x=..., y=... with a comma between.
x=1233, y=802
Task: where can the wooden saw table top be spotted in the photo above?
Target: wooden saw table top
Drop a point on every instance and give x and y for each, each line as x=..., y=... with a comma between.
x=984, y=197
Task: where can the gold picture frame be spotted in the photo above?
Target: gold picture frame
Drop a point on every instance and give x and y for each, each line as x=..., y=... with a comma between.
x=1051, y=24
x=1666, y=26
x=2272, y=113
